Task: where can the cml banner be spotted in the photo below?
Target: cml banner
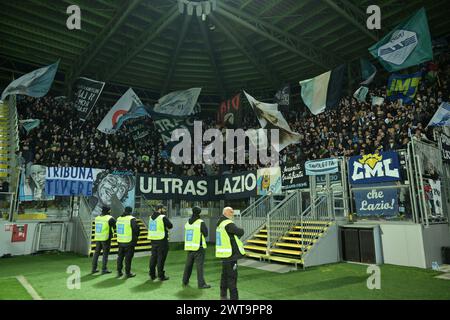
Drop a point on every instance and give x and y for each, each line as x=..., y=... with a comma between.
x=374, y=168
x=445, y=143
x=86, y=94
x=376, y=202
x=233, y=186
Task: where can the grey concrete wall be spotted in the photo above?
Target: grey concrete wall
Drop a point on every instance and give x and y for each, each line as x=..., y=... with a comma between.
x=434, y=238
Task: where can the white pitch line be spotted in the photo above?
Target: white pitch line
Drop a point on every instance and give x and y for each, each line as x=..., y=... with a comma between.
x=24, y=282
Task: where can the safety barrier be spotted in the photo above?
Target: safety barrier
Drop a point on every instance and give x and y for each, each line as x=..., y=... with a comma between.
x=255, y=215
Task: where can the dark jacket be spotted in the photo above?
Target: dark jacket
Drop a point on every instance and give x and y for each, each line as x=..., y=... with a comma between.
x=167, y=225
x=232, y=230
x=203, y=228
x=135, y=232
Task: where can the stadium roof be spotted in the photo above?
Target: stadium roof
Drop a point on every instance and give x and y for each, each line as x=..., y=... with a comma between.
x=149, y=45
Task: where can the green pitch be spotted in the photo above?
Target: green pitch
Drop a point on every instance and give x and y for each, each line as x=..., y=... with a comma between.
x=47, y=275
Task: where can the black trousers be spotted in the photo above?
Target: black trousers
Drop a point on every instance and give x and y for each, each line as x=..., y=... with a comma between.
x=199, y=258
x=99, y=246
x=228, y=280
x=127, y=252
x=160, y=248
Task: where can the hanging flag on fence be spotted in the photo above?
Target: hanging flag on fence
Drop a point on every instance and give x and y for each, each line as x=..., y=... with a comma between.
x=230, y=112
x=86, y=94
x=282, y=97
x=403, y=86
x=445, y=145
x=361, y=94
x=34, y=84
x=409, y=44
x=368, y=71
x=121, y=107
x=178, y=103
x=270, y=118
x=442, y=116
x=323, y=91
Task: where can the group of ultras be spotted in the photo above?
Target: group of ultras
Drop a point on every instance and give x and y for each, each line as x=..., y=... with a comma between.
x=126, y=229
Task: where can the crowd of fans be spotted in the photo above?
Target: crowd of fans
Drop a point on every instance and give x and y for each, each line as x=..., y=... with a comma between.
x=351, y=128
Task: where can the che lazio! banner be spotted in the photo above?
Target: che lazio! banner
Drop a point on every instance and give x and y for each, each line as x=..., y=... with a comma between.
x=403, y=86
x=374, y=168
x=409, y=44
x=376, y=202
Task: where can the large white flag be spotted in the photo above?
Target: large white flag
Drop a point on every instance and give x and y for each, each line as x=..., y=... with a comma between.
x=35, y=84
x=270, y=118
x=128, y=100
x=178, y=103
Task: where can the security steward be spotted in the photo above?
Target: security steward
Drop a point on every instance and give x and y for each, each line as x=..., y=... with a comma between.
x=229, y=248
x=158, y=232
x=105, y=226
x=195, y=232
x=127, y=236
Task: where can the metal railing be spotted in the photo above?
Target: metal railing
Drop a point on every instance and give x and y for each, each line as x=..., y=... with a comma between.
x=319, y=210
x=255, y=216
x=282, y=218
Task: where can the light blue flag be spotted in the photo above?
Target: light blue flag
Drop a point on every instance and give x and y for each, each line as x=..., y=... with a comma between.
x=134, y=113
x=30, y=124
x=35, y=84
x=442, y=116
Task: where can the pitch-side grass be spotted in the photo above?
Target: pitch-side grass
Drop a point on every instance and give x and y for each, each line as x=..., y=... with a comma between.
x=47, y=273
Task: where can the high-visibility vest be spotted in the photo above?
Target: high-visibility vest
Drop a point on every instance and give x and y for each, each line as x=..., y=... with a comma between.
x=223, y=241
x=124, y=231
x=156, y=230
x=192, y=236
x=102, y=227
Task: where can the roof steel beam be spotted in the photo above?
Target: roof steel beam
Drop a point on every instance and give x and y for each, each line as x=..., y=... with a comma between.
x=212, y=58
x=303, y=48
x=242, y=44
x=173, y=60
x=102, y=38
x=353, y=15
x=130, y=51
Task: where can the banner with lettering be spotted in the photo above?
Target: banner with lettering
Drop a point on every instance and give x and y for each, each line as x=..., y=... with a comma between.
x=193, y=188
x=376, y=202
x=403, y=86
x=445, y=143
x=374, y=168
x=294, y=177
x=320, y=167
x=69, y=181
x=32, y=184
x=86, y=94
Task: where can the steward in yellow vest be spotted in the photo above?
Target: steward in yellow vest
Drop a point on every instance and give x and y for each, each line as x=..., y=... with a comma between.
x=105, y=225
x=127, y=236
x=195, y=233
x=158, y=232
x=229, y=248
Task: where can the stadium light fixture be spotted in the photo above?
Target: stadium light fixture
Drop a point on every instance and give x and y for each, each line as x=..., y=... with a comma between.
x=202, y=8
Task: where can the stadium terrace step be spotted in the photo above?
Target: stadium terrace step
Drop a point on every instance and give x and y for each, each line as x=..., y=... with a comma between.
x=258, y=248
x=264, y=236
x=285, y=251
x=263, y=242
x=291, y=245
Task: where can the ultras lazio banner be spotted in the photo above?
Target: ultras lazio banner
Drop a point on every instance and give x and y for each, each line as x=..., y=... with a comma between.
x=376, y=202
x=232, y=186
x=374, y=168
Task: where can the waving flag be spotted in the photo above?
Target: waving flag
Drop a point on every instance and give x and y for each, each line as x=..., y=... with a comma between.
x=323, y=91
x=409, y=44
x=35, y=84
x=178, y=103
x=442, y=116
x=368, y=71
x=270, y=118
x=122, y=106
